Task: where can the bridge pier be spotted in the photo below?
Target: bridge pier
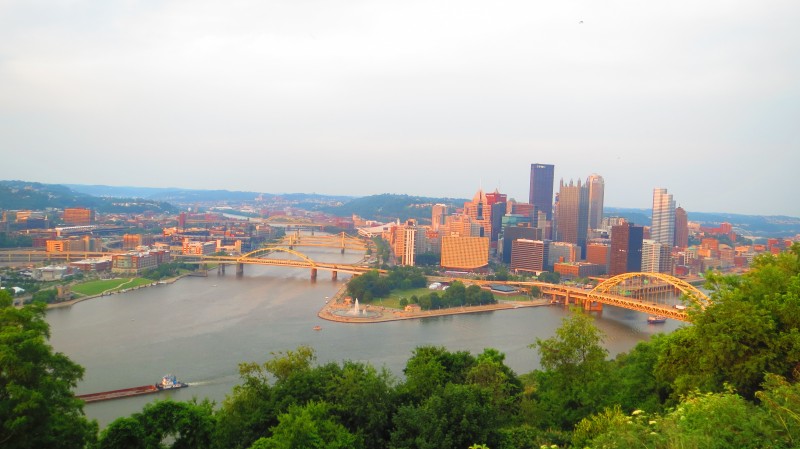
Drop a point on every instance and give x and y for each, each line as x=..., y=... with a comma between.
x=342, y=250
x=313, y=274
x=221, y=268
x=239, y=269
x=334, y=275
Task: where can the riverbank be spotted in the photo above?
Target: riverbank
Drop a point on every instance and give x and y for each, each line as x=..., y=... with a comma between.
x=71, y=302
x=337, y=309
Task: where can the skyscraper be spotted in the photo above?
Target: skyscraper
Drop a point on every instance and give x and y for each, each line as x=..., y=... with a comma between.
x=438, y=212
x=681, y=228
x=596, y=187
x=541, y=191
x=480, y=211
x=626, y=249
x=662, y=228
x=573, y=214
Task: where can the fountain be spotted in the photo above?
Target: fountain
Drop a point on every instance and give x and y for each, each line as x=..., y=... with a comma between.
x=356, y=311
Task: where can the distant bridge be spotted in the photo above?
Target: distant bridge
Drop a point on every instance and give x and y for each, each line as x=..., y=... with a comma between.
x=300, y=261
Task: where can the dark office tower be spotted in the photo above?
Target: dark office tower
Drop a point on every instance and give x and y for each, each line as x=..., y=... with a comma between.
x=626, y=249
x=573, y=214
x=681, y=228
x=596, y=186
x=541, y=193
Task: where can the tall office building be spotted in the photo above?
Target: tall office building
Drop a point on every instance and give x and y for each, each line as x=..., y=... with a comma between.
x=573, y=214
x=656, y=257
x=596, y=186
x=512, y=233
x=406, y=242
x=438, y=212
x=529, y=255
x=541, y=190
x=626, y=249
x=480, y=211
x=681, y=228
x=662, y=229
x=497, y=205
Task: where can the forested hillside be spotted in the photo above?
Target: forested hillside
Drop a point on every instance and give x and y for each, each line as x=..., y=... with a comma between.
x=20, y=195
x=389, y=207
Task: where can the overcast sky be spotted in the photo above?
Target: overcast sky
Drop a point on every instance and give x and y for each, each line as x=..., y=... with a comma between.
x=421, y=97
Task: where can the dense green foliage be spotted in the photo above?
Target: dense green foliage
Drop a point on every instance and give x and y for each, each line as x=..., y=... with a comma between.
x=167, y=270
x=15, y=241
x=456, y=295
x=37, y=407
x=372, y=285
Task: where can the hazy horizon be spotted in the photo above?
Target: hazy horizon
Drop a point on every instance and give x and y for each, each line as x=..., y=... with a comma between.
x=431, y=99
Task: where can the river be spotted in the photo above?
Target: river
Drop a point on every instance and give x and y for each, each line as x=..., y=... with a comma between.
x=201, y=328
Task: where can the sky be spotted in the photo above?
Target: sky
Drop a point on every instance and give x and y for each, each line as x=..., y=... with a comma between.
x=432, y=98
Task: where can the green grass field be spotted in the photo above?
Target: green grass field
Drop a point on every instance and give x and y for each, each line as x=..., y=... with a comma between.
x=92, y=288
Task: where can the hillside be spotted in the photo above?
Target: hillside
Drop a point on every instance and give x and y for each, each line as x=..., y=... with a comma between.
x=748, y=225
x=21, y=195
x=390, y=207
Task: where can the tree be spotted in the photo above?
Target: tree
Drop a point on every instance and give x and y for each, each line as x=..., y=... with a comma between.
x=186, y=425
x=37, y=406
x=307, y=427
x=574, y=366
x=453, y=418
x=363, y=400
x=752, y=328
x=549, y=277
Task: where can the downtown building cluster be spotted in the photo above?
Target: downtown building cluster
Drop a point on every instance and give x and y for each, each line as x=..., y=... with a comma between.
x=562, y=228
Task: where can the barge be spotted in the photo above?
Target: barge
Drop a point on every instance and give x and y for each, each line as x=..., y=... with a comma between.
x=168, y=382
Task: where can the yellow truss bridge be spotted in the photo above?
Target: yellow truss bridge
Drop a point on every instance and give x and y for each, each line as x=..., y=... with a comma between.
x=300, y=260
x=652, y=293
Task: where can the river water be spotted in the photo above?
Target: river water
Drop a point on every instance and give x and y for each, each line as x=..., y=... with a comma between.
x=201, y=328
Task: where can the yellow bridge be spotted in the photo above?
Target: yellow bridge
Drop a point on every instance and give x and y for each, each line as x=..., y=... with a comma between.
x=654, y=293
x=300, y=261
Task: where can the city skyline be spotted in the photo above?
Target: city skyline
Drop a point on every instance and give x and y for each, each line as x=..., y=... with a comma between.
x=423, y=99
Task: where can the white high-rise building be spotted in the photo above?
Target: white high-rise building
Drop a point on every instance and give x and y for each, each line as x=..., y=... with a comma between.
x=662, y=228
x=596, y=187
x=656, y=257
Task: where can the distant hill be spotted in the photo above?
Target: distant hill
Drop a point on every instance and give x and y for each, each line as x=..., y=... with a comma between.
x=21, y=195
x=189, y=196
x=390, y=207
x=748, y=225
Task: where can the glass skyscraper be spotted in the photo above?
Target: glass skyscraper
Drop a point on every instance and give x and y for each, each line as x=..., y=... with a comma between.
x=541, y=192
x=662, y=228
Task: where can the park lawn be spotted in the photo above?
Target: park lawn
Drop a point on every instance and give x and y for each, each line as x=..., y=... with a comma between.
x=92, y=288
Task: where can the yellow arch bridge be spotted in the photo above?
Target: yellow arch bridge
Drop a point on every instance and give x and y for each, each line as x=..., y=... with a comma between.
x=300, y=260
x=653, y=293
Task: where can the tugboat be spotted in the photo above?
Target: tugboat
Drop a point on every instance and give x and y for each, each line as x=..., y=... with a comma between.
x=170, y=382
x=317, y=328
x=658, y=319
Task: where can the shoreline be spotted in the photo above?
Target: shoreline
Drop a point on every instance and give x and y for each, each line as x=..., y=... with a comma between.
x=71, y=302
x=380, y=314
